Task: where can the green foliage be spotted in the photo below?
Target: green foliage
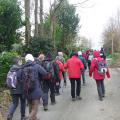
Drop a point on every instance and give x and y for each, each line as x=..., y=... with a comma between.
x=38, y=45
x=10, y=21
x=5, y=63
x=68, y=20
x=17, y=47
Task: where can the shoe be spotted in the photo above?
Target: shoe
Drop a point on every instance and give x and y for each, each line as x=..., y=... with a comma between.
x=45, y=108
x=57, y=94
x=103, y=95
x=9, y=117
x=84, y=84
x=53, y=103
x=78, y=98
x=100, y=98
x=73, y=99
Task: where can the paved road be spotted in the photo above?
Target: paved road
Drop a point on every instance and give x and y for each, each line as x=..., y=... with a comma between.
x=89, y=108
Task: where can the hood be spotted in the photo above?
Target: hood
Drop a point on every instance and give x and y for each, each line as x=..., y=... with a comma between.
x=29, y=63
x=49, y=57
x=29, y=57
x=15, y=68
x=96, y=54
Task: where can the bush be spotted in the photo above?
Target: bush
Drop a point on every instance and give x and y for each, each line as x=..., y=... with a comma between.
x=5, y=63
x=38, y=45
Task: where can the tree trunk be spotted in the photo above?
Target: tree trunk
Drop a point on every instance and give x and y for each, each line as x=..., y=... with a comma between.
x=27, y=20
x=36, y=18
x=41, y=18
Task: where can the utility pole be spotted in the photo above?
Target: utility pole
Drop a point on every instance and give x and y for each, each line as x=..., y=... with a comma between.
x=112, y=43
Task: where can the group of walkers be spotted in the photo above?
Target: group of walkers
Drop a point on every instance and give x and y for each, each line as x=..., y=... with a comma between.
x=40, y=77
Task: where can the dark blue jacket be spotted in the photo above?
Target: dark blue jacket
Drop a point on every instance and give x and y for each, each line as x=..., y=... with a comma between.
x=39, y=72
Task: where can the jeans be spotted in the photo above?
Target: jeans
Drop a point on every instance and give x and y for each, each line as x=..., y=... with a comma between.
x=14, y=104
x=46, y=86
x=75, y=81
x=33, y=109
x=100, y=88
x=83, y=76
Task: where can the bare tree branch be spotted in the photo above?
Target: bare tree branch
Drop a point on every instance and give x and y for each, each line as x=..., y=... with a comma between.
x=81, y=2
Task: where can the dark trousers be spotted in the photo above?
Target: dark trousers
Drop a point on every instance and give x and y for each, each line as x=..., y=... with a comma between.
x=83, y=76
x=48, y=85
x=14, y=104
x=57, y=87
x=89, y=64
x=100, y=88
x=64, y=77
x=75, y=83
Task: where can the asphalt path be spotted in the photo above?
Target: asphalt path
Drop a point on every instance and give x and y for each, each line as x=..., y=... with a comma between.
x=89, y=108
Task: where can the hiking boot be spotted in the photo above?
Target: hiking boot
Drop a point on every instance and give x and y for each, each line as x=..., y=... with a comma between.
x=73, y=99
x=45, y=108
x=100, y=98
x=78, y=98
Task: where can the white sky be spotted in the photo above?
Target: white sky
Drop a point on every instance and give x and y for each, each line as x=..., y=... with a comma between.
x=94, y=19
x=94, y=16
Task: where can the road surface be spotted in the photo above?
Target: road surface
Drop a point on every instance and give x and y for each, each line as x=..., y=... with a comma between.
x=89, y=108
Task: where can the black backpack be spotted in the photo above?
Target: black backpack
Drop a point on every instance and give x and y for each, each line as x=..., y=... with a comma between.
x=56, y=70
x=28, y=77
x=48, y=66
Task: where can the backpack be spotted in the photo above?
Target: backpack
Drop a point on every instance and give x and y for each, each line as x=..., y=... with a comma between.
x=11, y=80
x=101, y=66
x=56, y=70
x=28, y=78
x=48, y=66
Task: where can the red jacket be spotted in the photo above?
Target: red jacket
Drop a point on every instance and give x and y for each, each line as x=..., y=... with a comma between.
x=61, y=68
x=74, y=66
x=93, y=68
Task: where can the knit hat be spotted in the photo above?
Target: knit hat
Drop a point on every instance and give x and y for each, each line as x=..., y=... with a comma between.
x=29, y=57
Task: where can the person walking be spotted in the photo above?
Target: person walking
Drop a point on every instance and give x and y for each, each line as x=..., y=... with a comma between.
x=74, y=66
x=99, y=69
x=16, y=90
x=62, y=59
x=59, y=77
x=85, y=66
x=49, y=82
x=32, y=74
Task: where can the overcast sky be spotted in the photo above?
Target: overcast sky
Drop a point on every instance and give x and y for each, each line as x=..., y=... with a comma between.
x=94, y=16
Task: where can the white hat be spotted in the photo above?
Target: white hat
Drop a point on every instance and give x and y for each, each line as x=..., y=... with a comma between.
x=79, y=53
x=60, y=53
x=29, y=57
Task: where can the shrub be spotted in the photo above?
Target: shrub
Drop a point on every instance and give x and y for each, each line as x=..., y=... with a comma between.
x=5, y=63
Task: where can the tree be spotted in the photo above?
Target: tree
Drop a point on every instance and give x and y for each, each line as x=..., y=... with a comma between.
x=36, y=18
x=27, y=23
x=68, y=20
x=41, y=18
x=111, y=34
x=10, y=21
